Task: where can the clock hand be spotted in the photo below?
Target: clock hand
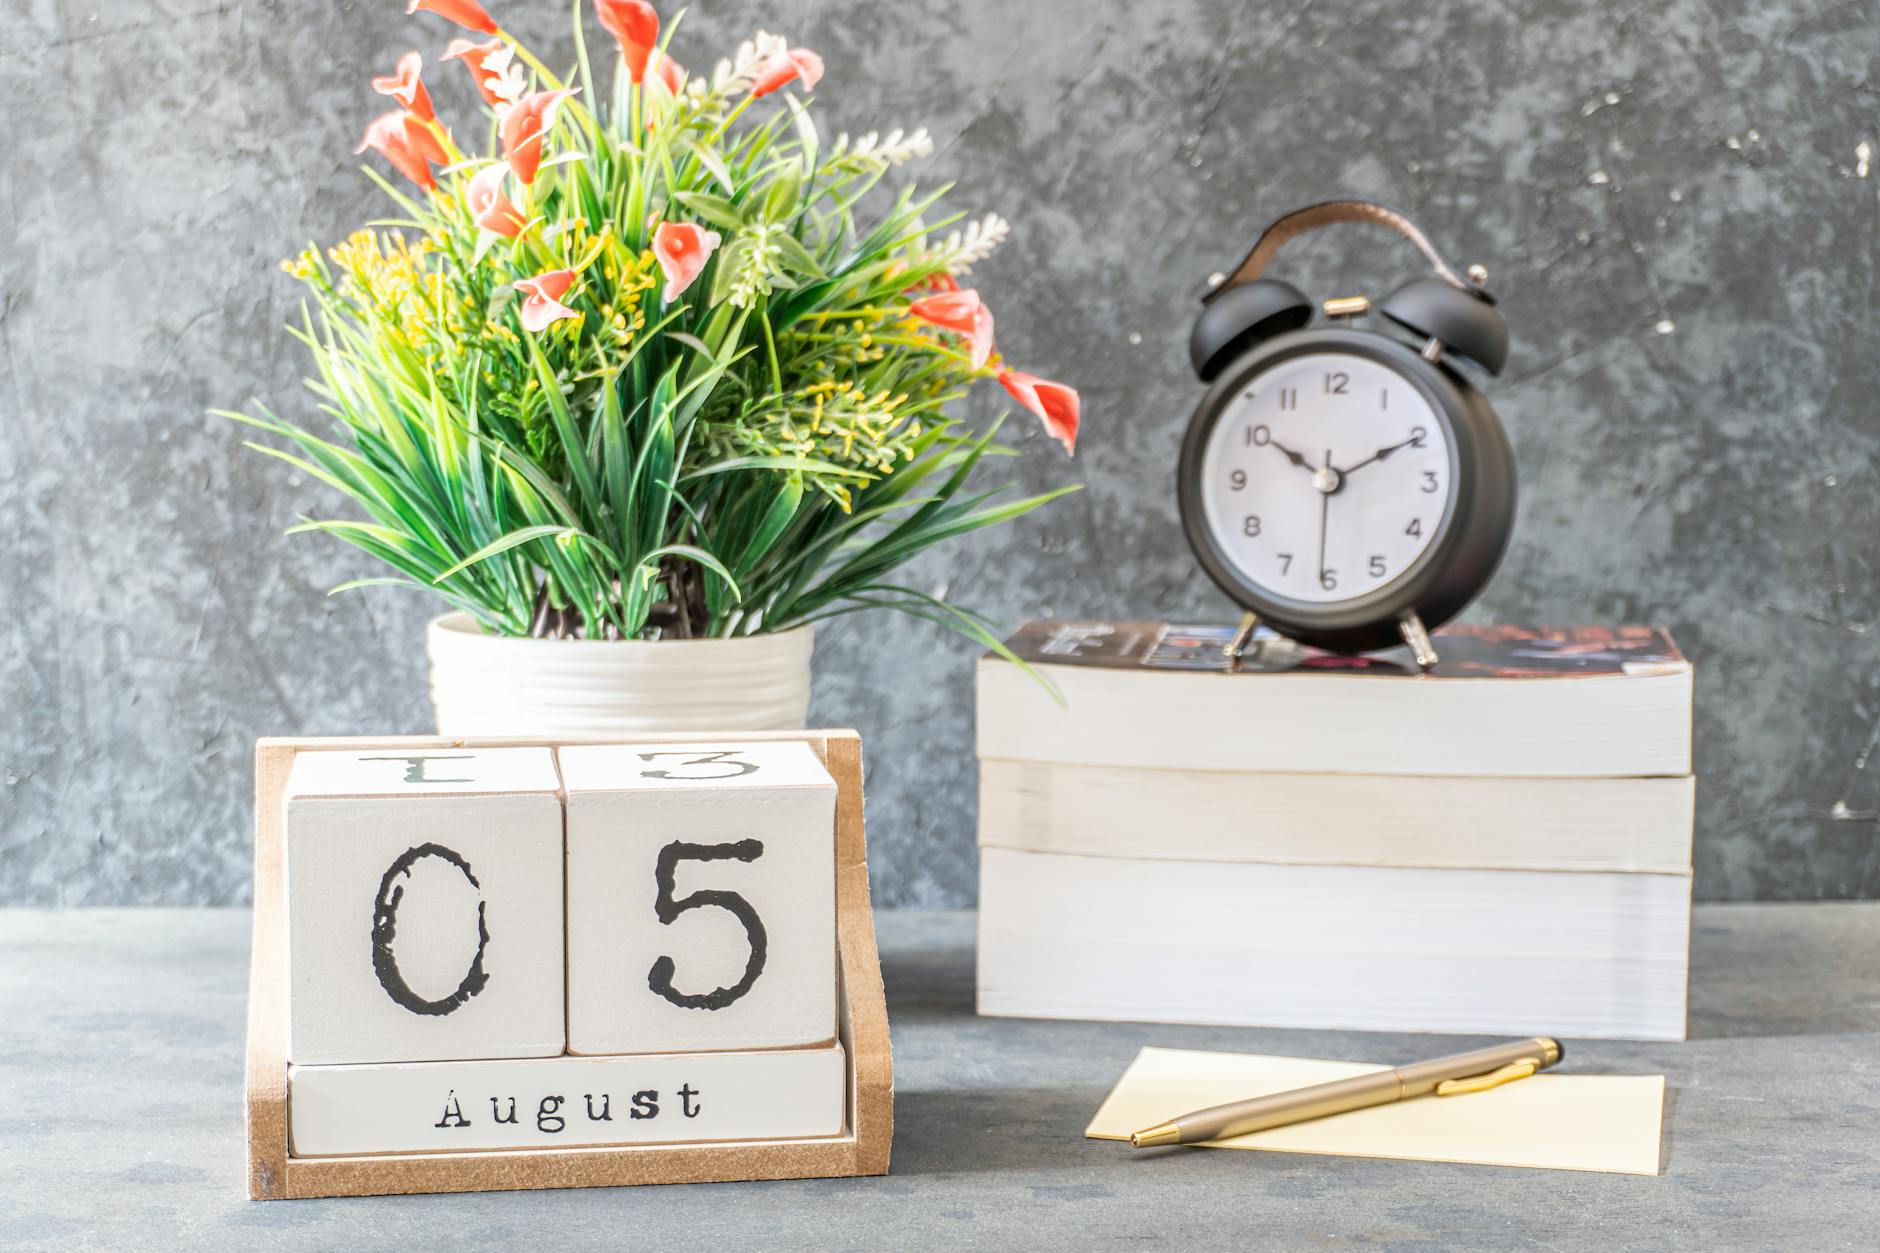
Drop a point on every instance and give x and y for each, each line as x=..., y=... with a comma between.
x=1325, y=509
x=1292, y=456
x=1380, y=454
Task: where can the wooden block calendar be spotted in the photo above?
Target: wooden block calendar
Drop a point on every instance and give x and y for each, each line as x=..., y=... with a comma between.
x=432, y=915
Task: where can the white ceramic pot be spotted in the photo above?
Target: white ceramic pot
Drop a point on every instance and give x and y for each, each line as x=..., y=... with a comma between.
x=494, y=685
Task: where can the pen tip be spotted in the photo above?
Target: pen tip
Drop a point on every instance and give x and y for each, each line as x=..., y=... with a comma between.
x=1166, y=1133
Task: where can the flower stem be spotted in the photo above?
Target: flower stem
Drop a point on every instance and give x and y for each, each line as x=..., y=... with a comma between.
x=529, y=59
x=450, y=145
x=866, y=311
x=933, y=346
x=729, y=119
x=548, y=77
x=770, y=346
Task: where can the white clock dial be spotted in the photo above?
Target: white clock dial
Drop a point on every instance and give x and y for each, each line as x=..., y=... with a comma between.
x=1326, y=477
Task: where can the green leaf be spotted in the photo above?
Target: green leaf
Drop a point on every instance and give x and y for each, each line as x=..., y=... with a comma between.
x=691, y=553
x=795, y=256
x=513, y=540
x=806, y=136
x=653, y=482
x=727, y=265
x=355, y=584
x=783, y=507
x=780, y=199
x=573, y=447
x=714, y=209
x=805, y=465
x=713, y=163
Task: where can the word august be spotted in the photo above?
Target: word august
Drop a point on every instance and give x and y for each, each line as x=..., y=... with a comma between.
x=549, y=1119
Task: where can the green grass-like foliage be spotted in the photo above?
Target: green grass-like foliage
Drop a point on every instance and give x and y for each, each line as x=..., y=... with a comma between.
x=762, y=452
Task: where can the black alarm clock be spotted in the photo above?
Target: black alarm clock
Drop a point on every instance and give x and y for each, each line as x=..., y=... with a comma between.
x=1347, y=486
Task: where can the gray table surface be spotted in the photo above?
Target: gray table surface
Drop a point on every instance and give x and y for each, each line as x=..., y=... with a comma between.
x=121, y=1126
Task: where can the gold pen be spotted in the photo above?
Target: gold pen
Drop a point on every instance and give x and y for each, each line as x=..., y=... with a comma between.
x=1474, y=1071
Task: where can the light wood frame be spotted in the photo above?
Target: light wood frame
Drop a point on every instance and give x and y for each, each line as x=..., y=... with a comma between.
x=862, y=1148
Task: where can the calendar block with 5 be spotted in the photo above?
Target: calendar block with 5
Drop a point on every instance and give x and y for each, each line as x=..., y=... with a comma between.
x=424, y=905
x=701, y=897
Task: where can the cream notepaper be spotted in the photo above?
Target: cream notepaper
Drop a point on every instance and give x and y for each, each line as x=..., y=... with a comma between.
x=1556, y=1122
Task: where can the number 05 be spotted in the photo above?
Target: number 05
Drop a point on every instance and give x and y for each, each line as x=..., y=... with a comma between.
x=667, y=910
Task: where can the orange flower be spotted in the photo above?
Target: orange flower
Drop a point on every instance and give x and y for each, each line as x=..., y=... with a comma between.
x=525, y=130
x=543, y=305
x=466, y=13
x=474, y=55
x=961, y=311
x=407, y=87
x=635, y=26
x=670, y=72
x=408, y=142
x=1057, y=404
x=489, y=208
x=670, y=76
x=784, y=66
x=683, y=248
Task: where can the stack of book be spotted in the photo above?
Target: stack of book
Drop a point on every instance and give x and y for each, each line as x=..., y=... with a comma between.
x=1306, y=840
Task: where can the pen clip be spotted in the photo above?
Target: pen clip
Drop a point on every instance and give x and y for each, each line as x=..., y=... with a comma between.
x=1493, y=1079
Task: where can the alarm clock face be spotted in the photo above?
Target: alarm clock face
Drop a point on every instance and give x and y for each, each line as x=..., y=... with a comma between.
x=1326, y=477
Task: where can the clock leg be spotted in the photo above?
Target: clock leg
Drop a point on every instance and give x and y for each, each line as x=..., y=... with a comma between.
x=1249, y=622
x=1418, y=639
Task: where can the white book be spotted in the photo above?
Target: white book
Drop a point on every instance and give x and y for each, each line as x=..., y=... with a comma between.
x=1513, y=952
x=1504, y=701
x=1634, y=825
x=566, y=1102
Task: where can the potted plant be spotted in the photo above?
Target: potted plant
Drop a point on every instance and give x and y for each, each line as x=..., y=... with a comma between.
x=644, y=393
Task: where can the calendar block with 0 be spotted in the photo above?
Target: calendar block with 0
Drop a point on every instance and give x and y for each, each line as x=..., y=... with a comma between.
x=424, y=905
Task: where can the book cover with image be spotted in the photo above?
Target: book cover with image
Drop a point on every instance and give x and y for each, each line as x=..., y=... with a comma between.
x=1478, y=652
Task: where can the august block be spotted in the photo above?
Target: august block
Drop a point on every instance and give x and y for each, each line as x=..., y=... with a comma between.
x=424, y=902
x=568, y=1102
x=701, y=897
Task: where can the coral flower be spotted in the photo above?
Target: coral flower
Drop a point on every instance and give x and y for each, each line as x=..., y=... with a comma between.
x=466, y=13
x=1057, y=404
x=525, y=130
x=782, y=67
x=489, y=208
x=407, y=87
x=635, y=26
x=961, y=311
x=408, y=142
x=683, y=248
x=473, y=55
x=669, y=72
x=543, y=304
x=670, y=76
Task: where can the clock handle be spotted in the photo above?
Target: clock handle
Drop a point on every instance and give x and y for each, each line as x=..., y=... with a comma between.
x=1418, y=639
x=1312, y=217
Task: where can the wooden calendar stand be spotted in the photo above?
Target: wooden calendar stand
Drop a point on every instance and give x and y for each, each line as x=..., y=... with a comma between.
x=861, y=1149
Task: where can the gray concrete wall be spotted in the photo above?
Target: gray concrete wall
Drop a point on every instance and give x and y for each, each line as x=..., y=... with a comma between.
x=1668, y=196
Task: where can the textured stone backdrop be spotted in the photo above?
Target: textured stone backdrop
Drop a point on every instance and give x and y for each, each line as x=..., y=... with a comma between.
x=1676, y=205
